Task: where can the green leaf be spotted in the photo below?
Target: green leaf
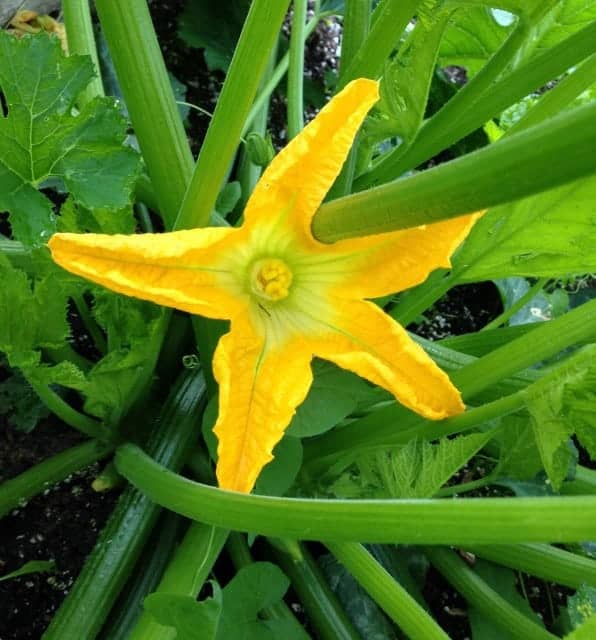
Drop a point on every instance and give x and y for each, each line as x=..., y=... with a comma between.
x=214, y=27
x=582, y=605
x=519, y=457
x=551, y=234
x=472, y=37
x=231, y=613
x=586, y=632
x=279, y=475
x=363, y=611
x=420, y=469
x=41, y=138
x=187, y=615
x=334, y=395
x=75, y=218
x=406, y=84
x=20, y=404
x=42, y=303
x=567, y=17
x=560, y=404
x=33, y=566
x=543, y=306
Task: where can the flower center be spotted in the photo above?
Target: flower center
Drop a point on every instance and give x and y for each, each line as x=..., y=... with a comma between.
x=271, y=279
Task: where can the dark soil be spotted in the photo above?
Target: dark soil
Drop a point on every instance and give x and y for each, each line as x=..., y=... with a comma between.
x=61, y=524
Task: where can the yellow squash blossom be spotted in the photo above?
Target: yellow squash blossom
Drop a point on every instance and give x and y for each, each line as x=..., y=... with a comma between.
x=289, y=297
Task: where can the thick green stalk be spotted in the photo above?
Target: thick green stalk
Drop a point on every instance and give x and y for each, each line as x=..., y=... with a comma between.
x=148, y=94
x=185, y=575
x=109, y=566
x=390, y=20
x=296, y=70
x=397, y=603
x=31, y=482
x=543, y=561
x=81, y=41
x=320, y=603
x=148, y=572
x=515, y=167
x=252, y=52
x=439, y=133
x=461, y=522
x=485, y=599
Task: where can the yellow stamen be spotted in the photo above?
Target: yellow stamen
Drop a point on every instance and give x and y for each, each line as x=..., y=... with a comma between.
x=271, y=279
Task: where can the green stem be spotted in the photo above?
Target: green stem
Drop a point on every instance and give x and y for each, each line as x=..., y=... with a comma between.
x=320, y=603
x=89, y=323
x=470, y=521
x=548, y=339
x=542, y=561
x=389, y=21
x=413, y=303
x=397, y=603
x=464, y=487
x=185, y=575
x=150, y=101
x=81, y=41
x=473, y=182
x=485, y=599
x=252, y=52
x=296, y=70
x=66, y=413
x=559, y=97
x=276, y=76
x=356, y=25
x=241, y=557
x=31, y=482
x=121, y=541
x=149, y=570
x=438, y=133
x=502, y=318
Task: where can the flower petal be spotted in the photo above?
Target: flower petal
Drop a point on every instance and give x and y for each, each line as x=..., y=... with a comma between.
x=301, y=174
x=366, y=341
x=390, y=262
x=177, y=270
x=260, y=387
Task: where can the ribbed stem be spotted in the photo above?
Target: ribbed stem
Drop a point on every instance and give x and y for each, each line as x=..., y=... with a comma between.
x=296, y=70
x=397, y=603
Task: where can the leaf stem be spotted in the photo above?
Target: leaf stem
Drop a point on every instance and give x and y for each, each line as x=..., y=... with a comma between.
x=325, y=612
x=473, y=182
x=252, y=52
x=66, y=413
x=397, y=603
x=485, y=599
x=185, y=575
x=81, y=41
x=296, y=70
x=470, y=521
x=543, y=561
x=46, y=473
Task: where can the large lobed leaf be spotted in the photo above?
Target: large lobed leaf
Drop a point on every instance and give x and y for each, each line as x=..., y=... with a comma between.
x=43, y=137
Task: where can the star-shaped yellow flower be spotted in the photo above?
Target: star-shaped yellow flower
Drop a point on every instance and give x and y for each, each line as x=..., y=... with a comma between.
x=289, y=297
